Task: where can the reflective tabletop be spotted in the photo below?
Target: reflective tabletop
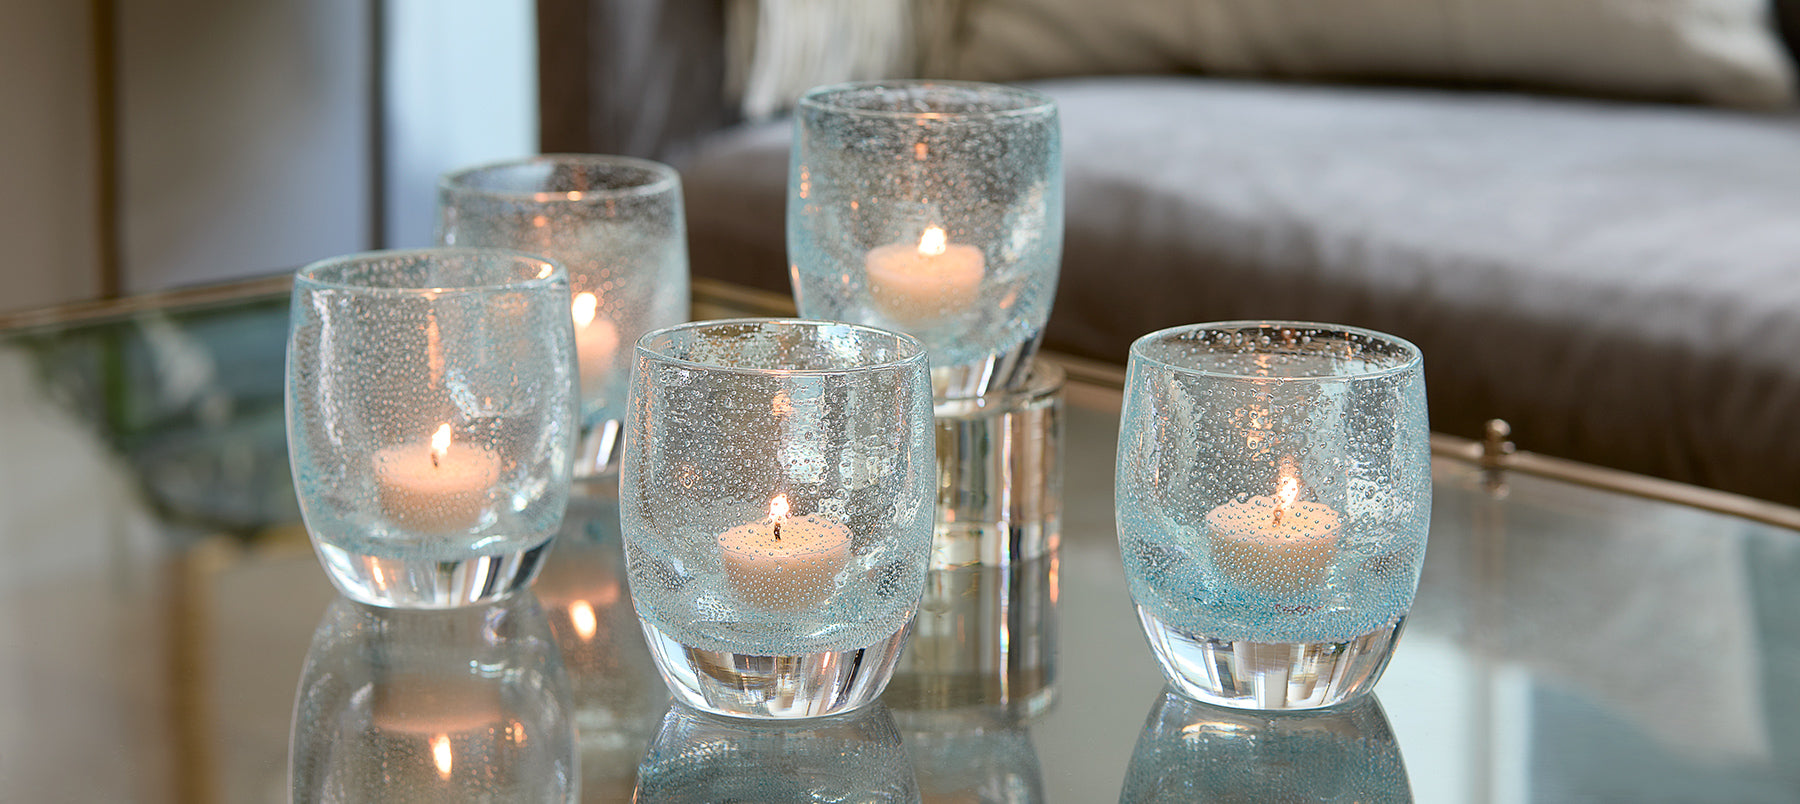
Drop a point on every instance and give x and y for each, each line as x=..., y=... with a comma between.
x=171, y=637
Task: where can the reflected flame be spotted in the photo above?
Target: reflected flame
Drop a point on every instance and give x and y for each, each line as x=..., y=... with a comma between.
x=778, y=507
x=440, y=443
x=932, y=242
x=581, y=615
x=584, y=308
x=440, y=754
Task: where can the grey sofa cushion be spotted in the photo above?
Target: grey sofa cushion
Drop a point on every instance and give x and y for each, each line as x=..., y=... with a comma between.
x=1621, y=281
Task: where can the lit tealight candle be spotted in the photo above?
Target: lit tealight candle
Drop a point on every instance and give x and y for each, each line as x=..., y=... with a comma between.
x=915, y=284
x=438, y=486
x=785, y=562
x=1276, y=544
x=596, y=339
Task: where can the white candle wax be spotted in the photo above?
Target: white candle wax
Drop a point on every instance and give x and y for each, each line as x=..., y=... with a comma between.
x=436, y=486
x=1273, y=543
x=596, y=339
x=785, y=562
x=919, y=283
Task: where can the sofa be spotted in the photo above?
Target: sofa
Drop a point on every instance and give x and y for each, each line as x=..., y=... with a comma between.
x=1615, y=270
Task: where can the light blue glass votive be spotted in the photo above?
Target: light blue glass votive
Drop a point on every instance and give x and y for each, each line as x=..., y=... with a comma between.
x=776, y=496
x=1190, y=752
x=933, y=208
x=1273, y=497
x=430, y=411
x=616, y=225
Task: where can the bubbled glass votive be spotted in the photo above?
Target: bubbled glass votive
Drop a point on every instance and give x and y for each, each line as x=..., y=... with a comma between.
x=933, y=208
x=430, y=414
x=1273, y=496
x=776, y=497
x=616, y=225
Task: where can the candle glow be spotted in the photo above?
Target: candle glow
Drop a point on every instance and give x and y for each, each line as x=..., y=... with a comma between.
x=932, y=242
x=1275, y=543
x=581, y=615
x=583, y=308
x=440, y=443
x=917, y=284
x=777, y=570
x=434, y=485
x=440, y=754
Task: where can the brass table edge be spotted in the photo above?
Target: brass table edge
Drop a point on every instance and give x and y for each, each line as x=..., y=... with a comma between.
x=180, y=299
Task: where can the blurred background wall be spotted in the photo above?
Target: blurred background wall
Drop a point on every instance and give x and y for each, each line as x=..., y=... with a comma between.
x=150, y=144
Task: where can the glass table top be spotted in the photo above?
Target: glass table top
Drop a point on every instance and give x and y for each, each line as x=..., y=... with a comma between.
x=165, y=614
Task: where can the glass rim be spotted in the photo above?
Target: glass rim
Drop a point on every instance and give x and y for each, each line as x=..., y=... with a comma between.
x=1040, y=104
x=550, y=272
x=664, y=179
x=917, y=353
x=1411, y=358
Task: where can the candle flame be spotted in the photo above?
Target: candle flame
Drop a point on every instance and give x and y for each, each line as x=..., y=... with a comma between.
x=581, y=614
x=778, y=507
x=583, y=309
x=440, y=443
x=1287, y=490
x=932, y=242
x=440, y=754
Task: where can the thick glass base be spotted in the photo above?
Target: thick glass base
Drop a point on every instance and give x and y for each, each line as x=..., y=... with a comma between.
x=996, y=373
x=746, y=685
x=999, y=462
x=424, y=583
x=1257, y=675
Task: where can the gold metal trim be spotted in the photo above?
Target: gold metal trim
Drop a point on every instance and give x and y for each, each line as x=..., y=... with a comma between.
x=1617, y=481
x=103, y=310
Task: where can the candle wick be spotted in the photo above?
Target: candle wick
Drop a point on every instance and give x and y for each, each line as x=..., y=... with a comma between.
x=777, y=531
x=434, y=463
x=1278, y=515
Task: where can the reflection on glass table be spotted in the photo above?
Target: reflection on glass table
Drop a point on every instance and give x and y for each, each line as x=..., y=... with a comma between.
x=1568, y=642
x=1193, y=753
x=700, y=757
x=467, y=704
x=619, y=700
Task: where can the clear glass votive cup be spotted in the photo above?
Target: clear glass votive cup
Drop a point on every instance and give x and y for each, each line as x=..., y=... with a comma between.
x=430, y=418
x=1273, y=498
x=934, y=208
x=616, y=225
x=777, y=502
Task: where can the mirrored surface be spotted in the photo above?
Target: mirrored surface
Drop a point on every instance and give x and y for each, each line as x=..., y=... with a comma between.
x=1567, y=643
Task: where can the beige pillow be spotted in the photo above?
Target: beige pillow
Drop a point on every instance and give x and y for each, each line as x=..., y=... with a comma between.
x=1715, y=51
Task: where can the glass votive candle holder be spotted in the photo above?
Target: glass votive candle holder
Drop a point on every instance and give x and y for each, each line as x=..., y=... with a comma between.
x=1273, y=498
x=933, y=208
x=616, y=226
x=776, y=499
x=430, y=415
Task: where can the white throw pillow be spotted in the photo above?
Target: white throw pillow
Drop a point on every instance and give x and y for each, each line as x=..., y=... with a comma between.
x=1714, y=51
